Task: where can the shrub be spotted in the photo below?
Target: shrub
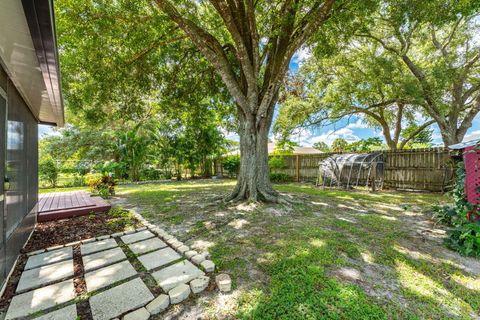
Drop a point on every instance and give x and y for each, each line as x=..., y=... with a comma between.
x=112, y=168
x=82, y=168
x=101, y=184
x=150, y=174
x=48, y=171
x=232, y=165
x=276, y=163
x=464, y=237
x=279, y=177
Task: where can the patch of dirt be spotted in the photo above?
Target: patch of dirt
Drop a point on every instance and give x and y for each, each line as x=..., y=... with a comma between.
x=12, y=283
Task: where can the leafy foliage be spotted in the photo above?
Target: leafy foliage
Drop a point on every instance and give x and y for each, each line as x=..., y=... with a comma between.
x=276, y=163
x=339, y=145
x=101, y=184
x=279, y=177
x=400, y=71
x=48, y=171
x=464, y=236
x=231, y=164
x=465, y=239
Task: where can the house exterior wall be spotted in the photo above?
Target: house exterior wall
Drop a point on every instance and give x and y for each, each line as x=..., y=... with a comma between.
x=19, y=163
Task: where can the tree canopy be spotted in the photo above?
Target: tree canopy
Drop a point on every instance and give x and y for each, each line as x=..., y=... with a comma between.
x=407, y=66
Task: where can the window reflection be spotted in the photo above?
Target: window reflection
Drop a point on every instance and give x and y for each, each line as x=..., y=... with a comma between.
x=15, y=135
x=15, y=166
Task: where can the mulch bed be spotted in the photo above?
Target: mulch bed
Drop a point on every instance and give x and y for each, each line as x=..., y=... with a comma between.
x=53, y=233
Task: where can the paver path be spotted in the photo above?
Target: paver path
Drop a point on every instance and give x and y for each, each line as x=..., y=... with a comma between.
x=116, y=287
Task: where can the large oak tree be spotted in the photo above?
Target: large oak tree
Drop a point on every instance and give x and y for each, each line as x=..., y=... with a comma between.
x=250, y=44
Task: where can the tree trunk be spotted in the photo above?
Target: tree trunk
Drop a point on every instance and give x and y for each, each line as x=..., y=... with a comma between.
x=253, y=182
x=450, y=136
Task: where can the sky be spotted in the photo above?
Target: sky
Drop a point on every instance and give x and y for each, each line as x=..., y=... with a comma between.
x=352, y=129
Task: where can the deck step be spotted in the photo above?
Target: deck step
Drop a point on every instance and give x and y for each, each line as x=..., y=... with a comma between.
x=62, y=205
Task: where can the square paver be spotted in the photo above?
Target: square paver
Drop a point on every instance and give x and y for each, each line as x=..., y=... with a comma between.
x=40, y=299
x=67, y=313
x=38, y=277
x=109, y=275
x=178, y=273
x=103, y=258
x=137, y=236
x=158, y=258
x=49, y=257
x=147, y=245
x=97, y=246
x=115, y=301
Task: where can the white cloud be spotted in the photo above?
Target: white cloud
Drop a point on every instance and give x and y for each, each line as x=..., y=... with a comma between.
x=302, y=55
x=474, y=135
x=307, y=138
x=229, y=135
x=359, y=124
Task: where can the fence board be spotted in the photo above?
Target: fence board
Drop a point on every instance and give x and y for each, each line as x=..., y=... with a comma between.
x=429, y=169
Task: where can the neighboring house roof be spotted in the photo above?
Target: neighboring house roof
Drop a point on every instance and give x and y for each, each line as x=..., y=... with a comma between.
x=296, y=150
x=465, y=144
x=28, y=53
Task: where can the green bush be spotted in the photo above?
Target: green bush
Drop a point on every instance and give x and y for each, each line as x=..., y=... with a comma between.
x=48, y=171
x=276, y=163
x=232, y=165
x=101, y=184
x=279, y=177
x=150, y=174
x=464, y=237
x=112, y=168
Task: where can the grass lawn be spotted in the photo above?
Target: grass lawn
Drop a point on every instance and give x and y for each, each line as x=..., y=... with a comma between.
x=327, y=255
x=62, y=189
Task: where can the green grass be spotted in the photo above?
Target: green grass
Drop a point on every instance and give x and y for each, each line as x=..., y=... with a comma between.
x=47, y=190
x=286, y=260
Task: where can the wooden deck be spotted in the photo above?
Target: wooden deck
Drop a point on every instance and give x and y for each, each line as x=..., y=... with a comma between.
x=62, y=205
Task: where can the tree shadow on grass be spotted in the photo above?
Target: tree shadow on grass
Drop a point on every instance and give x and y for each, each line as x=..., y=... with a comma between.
x=302, y=287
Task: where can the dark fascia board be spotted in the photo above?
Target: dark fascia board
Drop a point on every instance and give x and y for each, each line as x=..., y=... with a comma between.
x=41, y=22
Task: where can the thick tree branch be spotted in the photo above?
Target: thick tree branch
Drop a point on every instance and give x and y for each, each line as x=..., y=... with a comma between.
x=211, y=48
x=232, y=17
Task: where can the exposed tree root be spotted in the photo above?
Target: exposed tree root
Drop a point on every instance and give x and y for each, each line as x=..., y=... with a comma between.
x=258, y=194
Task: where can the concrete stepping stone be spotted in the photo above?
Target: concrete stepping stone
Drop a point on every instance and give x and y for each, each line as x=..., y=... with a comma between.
x=139, y=314
x=109, y=275
x=103, y=258
x=208, y=265
x=159, y=304
x=49, y=257
x=147, y=245
x=178, y=273
x=199, y=284
x=41, y=276
x=137, y=236
x=67, y=313
x=179, y=293
x=158, y=258
x=40, y=299
x=97, y=246
x=113, y=302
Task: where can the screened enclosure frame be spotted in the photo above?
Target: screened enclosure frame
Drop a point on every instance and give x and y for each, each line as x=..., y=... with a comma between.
x=350, y=170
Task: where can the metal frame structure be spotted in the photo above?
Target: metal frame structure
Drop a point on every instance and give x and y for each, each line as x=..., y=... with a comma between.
x=350, y=170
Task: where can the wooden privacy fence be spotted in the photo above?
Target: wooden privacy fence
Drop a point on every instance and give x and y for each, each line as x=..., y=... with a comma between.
x=430, y=169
